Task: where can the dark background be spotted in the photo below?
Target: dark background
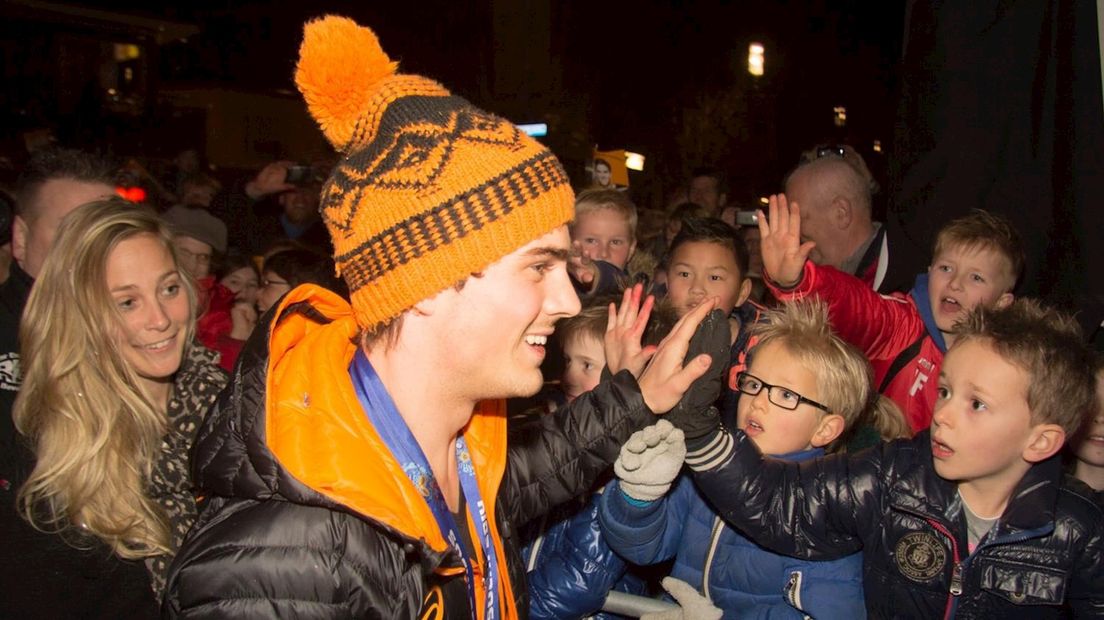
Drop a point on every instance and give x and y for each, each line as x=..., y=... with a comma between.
x=665, y=79
x=992, y=104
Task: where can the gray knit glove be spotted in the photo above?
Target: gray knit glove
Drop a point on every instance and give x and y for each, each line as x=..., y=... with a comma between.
x=695, y=413
x=650, y=461
x=693, y=606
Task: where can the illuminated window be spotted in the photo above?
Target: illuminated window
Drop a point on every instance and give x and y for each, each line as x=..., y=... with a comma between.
x=840, y=115
x=756, y=61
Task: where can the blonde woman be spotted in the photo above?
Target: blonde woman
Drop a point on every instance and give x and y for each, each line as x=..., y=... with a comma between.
x=114, y=389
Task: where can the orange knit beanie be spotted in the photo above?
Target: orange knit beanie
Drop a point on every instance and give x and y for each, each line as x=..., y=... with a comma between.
x=430, y=189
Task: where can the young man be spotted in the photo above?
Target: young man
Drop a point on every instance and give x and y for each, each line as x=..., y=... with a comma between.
x=358, y=466
x=974, y=519
x=976, y=262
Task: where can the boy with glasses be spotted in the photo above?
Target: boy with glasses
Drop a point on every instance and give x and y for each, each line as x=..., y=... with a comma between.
x=803, y=390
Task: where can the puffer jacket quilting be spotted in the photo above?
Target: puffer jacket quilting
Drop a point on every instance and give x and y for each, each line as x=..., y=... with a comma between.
x=1043, y=559
x=268, y=544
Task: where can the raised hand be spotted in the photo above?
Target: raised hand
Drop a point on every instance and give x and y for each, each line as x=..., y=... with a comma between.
x=581, y=268
x=695, y=413
x=650, y=461
x=243, y=319
x=784, y=255
x=272, y=179
x=623, y=332
x=666, y=378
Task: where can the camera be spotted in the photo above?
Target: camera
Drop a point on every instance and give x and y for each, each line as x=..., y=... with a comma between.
x=298, y=174
x=747, y=218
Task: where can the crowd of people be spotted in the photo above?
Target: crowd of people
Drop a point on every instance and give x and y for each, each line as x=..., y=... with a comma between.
x=432, y=381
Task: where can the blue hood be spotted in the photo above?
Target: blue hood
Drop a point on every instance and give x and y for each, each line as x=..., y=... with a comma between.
x=922, y=302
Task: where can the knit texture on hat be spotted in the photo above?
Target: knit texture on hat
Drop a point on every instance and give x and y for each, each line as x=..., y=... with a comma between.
x=430, y=189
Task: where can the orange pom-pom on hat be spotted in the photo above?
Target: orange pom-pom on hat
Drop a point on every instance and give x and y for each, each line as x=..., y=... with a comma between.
x=430, y=189
x=341, y=67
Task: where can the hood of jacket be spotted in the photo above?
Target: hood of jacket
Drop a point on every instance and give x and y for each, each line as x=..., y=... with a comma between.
x=290, y=427
x=919, y=294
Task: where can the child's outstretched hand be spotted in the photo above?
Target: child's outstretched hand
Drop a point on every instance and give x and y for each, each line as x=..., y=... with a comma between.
x=693, y=606
x=695, y=413
x=582, y=268
x=623, y=332
x=669, y=375
x=784, y=255
x=650, y=461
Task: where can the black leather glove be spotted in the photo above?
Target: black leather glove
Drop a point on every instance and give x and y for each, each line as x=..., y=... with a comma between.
x=695, y=413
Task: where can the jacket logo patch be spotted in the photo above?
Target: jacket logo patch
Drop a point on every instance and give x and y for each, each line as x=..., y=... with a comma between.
x=920, y=556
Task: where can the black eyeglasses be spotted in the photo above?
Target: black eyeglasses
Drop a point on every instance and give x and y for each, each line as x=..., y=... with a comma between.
x=776, y=394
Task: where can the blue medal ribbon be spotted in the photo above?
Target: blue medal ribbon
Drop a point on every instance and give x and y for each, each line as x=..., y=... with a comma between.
x=384, y=416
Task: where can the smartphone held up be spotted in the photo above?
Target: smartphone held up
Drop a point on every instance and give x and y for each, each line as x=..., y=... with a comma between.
x=299, y=174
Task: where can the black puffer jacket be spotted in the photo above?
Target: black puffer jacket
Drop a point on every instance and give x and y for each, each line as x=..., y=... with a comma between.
x=309, y=528
x=1042, y=559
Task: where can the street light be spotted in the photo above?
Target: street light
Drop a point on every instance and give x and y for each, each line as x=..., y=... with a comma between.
x=755, y=59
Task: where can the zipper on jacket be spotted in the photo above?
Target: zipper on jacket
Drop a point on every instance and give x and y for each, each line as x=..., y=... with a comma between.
x=1022, y=536
x=985, y=543
x=959, y=570
x=714, y=539
x=956, y=579
x=956, y=572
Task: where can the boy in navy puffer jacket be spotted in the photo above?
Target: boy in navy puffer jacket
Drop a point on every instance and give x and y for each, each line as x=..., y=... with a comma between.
x=973, y=519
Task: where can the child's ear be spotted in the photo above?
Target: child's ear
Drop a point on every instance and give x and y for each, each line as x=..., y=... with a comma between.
x=745, y=292
x=1044, y=442
x=829, y=429
x=1004, y=300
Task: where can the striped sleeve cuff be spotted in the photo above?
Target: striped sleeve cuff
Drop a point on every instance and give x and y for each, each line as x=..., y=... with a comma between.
x=711, y=451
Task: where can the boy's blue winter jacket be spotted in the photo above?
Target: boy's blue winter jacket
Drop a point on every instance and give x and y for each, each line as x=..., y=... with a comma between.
x=569, y=565
x=740, y=577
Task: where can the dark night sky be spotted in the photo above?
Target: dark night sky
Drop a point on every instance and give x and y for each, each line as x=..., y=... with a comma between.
x=634, y=63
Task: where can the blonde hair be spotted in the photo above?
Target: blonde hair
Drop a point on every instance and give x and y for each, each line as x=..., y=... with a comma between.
x=981, y=230
x=94, y=431
x=845, y=381
x=591, y=200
